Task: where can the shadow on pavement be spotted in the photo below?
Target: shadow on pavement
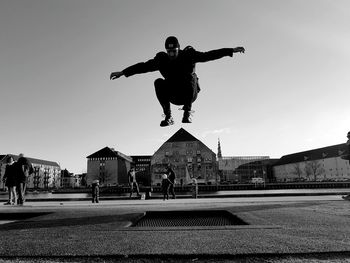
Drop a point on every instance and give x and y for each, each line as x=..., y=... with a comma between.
x=24, y=223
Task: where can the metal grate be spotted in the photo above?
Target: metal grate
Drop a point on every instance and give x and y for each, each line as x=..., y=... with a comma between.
x=188, y=218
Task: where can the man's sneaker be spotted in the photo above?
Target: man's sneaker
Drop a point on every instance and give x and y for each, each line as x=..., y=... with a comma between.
x=167, y=121
x=187, y=117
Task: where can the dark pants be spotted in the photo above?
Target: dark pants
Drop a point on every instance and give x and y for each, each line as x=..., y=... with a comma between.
x=165, y=188
x=21, y=190
x=132, y=188
x=179, y=93
x=171, y=190
x=95, y=194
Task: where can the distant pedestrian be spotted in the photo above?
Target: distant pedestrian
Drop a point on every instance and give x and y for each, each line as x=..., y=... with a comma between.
x=347, y=157
x=171, y=176
x=165, y=186
x=23, y=170
x=348, y=144
x=194, y=188
x=10, y=180
x=133, y=182
x=95, y=191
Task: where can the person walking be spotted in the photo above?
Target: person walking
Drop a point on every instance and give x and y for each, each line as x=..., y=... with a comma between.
x=348, y=146
x=347, y=157
x=171, y=176
x=165, y=186
x=179, y=84
x=95, y=191
x=23, y=170
x=133, y=182
x=10, y=180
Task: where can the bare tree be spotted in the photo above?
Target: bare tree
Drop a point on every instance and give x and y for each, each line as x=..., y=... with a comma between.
x=105, y=177
x=297, y=170
x=314, y=168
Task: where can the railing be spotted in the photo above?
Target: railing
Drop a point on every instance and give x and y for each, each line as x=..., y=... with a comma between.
x=214, y=188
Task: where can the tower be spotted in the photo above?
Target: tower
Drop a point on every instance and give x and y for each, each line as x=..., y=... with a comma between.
x=219, y=150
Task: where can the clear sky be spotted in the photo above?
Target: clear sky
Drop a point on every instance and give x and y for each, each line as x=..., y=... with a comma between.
x=288, y=93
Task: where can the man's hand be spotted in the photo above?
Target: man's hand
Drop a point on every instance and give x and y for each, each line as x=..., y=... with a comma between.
x=115, y=75
x=238, y=50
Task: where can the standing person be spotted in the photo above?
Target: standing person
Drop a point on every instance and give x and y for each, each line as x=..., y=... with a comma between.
x=23, y=169
x=171, y=176
x=95, y=191
x=179, y=84
x=133, y=182
x=165, y=186
x=10, y=180
x=348, y=144
x=347, y=157
x=194, y=188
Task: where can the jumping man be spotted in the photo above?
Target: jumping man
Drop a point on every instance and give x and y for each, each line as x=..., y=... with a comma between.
x=179, y=84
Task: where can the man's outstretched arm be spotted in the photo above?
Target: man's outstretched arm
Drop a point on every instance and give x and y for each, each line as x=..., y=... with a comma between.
x=216, y=54
x=238, y=50
x=139, y=68
x=115, y=75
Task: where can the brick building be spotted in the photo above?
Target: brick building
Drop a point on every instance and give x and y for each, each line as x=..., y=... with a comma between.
x=189, y=157
x=109, y=166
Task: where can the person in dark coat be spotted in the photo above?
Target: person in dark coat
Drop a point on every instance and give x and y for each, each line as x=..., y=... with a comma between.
x=10, y=180
x=95, y=191
x=171, y=176
x=179, y=84
x=23, y=169
x=348, y=144
x=347, y=157
x=165, y=186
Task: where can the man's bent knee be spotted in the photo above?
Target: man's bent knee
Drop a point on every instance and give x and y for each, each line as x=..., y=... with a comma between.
x=159, y=82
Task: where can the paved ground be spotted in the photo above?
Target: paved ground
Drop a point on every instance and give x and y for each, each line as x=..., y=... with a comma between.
x=280, y=229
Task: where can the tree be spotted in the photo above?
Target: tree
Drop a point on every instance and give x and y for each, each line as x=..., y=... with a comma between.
x=105, y=177
x=297, y=170
x=314, y=168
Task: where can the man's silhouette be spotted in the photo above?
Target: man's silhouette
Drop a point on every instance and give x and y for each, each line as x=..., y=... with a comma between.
x=179, y=84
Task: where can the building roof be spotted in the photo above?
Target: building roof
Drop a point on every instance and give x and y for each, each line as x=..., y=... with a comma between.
x=182, y=136
x=316, y=154
x=109, y=152
x=34, y=161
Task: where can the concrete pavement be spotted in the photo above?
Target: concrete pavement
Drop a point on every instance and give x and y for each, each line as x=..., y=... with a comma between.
x=288, y=228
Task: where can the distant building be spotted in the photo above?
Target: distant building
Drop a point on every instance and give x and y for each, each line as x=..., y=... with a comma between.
x=109, y=166
x=81, y=179
x=142, y=164
x=242, y=168
x=189, y=157
x=46, y=173
x=67, y=179
x=323, y=164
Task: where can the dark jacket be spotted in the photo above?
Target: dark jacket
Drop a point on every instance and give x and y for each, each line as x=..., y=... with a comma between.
x=182, y=68
x=10, y=176
x=23, y=169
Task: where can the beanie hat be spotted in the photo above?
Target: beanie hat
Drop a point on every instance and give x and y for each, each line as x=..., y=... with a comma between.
x=171, y=43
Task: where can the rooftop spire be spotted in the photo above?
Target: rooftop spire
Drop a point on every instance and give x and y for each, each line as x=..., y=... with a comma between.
x=219, y=149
